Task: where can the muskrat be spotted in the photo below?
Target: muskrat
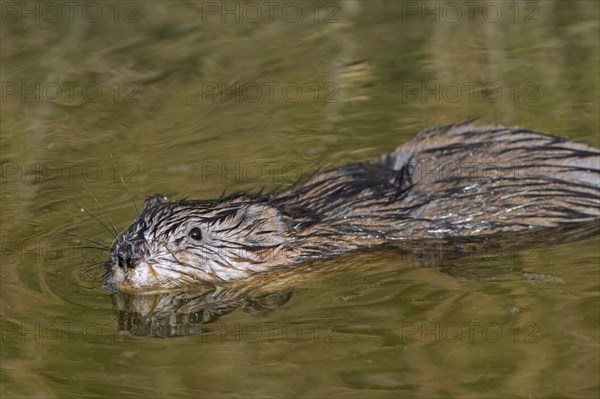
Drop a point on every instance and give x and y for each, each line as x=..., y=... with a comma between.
x=454, y=181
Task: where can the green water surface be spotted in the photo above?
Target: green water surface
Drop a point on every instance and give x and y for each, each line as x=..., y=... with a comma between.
x=108, y=102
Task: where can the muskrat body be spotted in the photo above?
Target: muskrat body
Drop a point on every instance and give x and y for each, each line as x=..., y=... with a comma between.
x=455, y=181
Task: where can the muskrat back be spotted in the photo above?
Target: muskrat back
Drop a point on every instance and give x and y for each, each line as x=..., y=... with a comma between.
x=455, y=181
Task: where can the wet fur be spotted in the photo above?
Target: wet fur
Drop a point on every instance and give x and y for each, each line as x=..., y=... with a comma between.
x=456, y=181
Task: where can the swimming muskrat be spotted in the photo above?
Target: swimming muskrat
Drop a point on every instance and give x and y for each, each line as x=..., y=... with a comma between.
x=455, y=181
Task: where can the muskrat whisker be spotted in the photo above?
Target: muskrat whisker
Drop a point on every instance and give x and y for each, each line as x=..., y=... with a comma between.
x=81, y=286
x=91, y=267
x=124, y=185
x=96, y=265
x=114, y=234
x=102, y=209
x=87, y=239
x=103, y=249
x=91, y=272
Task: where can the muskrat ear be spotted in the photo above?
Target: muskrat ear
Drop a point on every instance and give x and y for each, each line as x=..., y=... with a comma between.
x=154, y=200
x=266, y=223
x=260, y=212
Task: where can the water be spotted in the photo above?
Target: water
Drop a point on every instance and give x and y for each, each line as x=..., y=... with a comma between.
x=171, y=99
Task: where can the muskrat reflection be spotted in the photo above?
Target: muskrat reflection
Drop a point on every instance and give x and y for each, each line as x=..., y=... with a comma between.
x=186, y=312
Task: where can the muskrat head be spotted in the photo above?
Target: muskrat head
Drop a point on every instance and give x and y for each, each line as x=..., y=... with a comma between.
x=173, y=244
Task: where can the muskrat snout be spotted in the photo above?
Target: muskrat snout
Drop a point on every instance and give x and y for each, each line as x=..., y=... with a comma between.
x=127, y=255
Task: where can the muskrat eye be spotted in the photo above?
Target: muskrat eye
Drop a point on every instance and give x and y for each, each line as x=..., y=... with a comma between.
x=195, y=234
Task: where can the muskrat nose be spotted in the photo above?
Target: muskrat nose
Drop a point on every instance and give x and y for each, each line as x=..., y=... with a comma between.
x=126, y=256
x=128, y=261
x=133, y=262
